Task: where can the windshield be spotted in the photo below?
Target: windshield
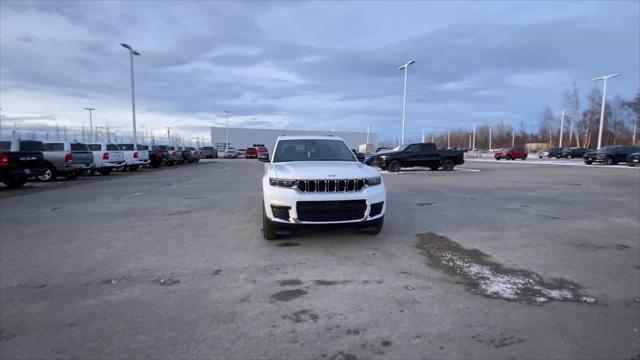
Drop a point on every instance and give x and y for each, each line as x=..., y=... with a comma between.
x=312, y=150
x=400, y=147
x=94, y=147
x=609, y=149
x=78, y=147
x=50, y=146
x=126, y=147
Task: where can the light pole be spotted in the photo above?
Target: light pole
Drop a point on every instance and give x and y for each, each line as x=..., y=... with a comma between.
x=604, y=95
x=405, y=68
x=448, y=139
x=91, y=110
x=562, y=128
x=368, y=129
x=226, y=144
x=473, y=146
x=133, y=93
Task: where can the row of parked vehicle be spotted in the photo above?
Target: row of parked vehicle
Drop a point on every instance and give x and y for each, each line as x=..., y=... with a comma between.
x=22, y=160
x=609, y=155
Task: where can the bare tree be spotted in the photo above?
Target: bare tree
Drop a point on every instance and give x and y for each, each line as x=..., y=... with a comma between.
x=572, y=113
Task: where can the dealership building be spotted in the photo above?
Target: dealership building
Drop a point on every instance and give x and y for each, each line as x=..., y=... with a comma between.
x=242, y=138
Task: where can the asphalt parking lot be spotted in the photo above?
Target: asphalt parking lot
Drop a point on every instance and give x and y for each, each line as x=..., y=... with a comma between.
x=496, y=260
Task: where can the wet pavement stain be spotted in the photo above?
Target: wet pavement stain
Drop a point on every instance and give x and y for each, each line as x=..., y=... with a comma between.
x=596, y=247
x=426, y=203
x=287, y=244
x=288, y=295
x=290, y=282
x=114, y=280
x=183, y=212
x=167, y=281
x=302, y=316
x=330, y=282
x=493, y=280
x=386, y=343
x=55, y=208
x=341, y=355
x=498, y=342
x=41, y=286
x=552, y=217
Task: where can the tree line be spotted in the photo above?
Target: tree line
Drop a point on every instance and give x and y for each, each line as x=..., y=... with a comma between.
x=580, y=126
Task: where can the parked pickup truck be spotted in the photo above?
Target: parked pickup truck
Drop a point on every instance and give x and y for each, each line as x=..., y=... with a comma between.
x=159, y=155
x=208, y=152
x=106, y=157
x=195, y=154
x=68, y=159
x=134, y=159
x=20, y=160
x=610, y=155
x=420, y=154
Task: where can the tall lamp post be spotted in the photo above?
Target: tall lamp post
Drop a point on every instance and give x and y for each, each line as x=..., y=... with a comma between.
x=133, y=93
x=405, y=68
x=91, y=110
x=226, y=144
x=604, y=95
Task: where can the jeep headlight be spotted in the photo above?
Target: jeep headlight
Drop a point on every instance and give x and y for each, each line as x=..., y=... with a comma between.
x=282, y=182
x=374, y=181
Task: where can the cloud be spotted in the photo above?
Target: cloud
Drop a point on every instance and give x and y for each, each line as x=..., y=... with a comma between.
x=309, y=64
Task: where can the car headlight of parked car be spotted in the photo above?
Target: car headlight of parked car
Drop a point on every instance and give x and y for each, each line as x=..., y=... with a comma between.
x=374, y=181
x=282, y=182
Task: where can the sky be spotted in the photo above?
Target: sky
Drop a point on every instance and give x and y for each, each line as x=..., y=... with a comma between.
x=308, y=65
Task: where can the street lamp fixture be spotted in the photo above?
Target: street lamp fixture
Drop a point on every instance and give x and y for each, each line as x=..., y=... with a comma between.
x=133, y=96
x=604, y=95
x=226, y=144
x=91, y=110
x=404, y=68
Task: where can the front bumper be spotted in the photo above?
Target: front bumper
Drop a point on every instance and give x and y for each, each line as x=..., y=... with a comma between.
x=22, y=172
x=80, y=167
x=595, y=159
x=283, y=197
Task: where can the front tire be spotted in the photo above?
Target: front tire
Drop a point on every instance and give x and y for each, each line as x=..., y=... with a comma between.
x=610, y=161
x=524, y=157
x=395, y=166
x=14, y=182
x=434, y=167
x=569, y=156
x=588, y=162
x=268, y=227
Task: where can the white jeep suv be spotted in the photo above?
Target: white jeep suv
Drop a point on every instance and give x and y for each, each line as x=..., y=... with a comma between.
x=318, y=180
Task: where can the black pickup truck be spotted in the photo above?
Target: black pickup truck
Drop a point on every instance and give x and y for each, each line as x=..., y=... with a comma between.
x=20, y=160
x=421, y=154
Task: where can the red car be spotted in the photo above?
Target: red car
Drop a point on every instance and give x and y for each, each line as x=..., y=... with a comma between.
x=251, y=153
x=262, y=149
x=511, y=153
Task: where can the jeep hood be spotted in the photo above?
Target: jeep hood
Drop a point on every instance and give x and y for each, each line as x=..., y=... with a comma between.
x=313, y=170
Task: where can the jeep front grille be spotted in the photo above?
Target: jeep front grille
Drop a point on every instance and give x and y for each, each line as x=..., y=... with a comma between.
x=329, y=186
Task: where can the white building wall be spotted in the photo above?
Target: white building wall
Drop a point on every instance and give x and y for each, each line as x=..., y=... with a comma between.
x=241, y=138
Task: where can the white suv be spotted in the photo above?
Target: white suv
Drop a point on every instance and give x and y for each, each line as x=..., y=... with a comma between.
x=318, y=180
